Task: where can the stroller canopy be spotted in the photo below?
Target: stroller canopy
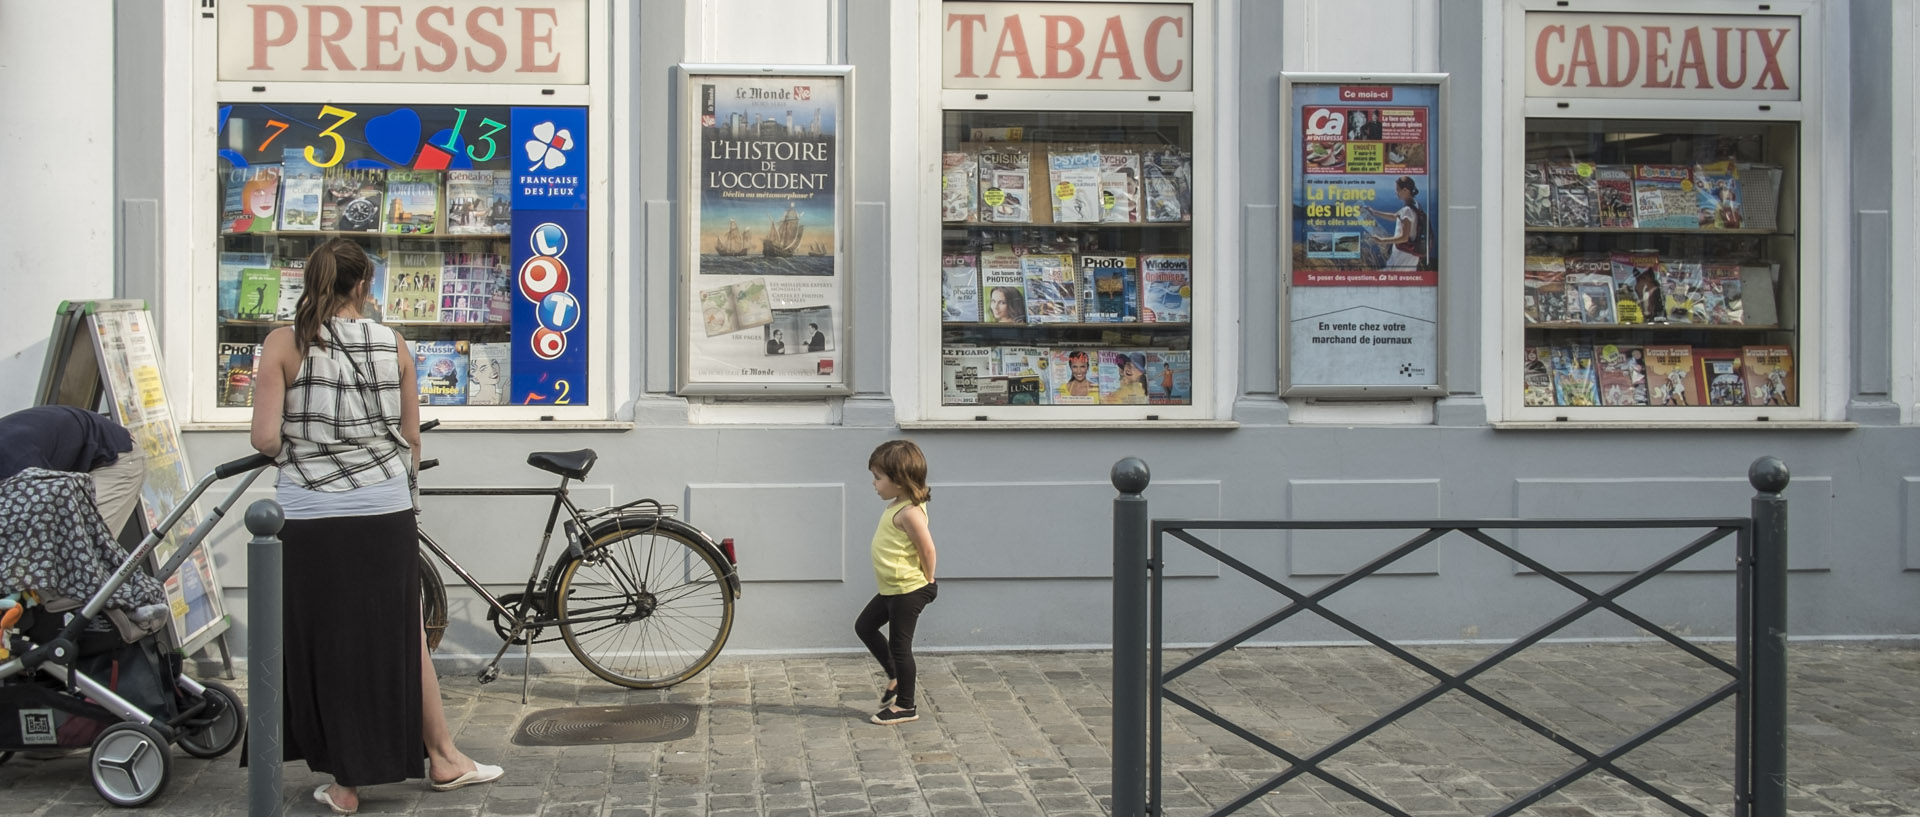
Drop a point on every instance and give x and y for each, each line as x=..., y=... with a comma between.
x=53, y=541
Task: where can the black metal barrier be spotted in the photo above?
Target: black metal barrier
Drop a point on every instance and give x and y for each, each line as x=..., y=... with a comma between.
x=1756, y=679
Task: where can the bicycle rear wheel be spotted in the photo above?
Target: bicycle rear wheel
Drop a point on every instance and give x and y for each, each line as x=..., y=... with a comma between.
x=645, y=608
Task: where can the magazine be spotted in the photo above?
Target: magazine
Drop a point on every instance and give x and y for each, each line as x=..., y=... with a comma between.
x=442, y=368
x=1615, y=185
x=1005, y=193
x=1573, y=381
x=470, y=203
x=960, y=288
x=962, y=370
x=1720, y=376
x=1648, y=274
x=1052, y=288
x=1622, y=375
x=413, y=287
x=489, y=374
x=734, y=307
x=1167, y=174
x=1626, y=297
x=1670, y=377
x=1535, y=378
x=1716, y=189
x=413, y=202
x=1021, y=360
x=375, y=306
x=1684, y=284
x=1073, y=176
x=466, y=287
x=251, y=199
x=1003, y=288
x=1575, y=195
x=259, y=298
x=1538, y=196
x=1544, y=297
x=352, y=198
x=1112, y=288
x=227, y=288
x=1166, y=288
x=1661, y=200
x=1769, y=374
x=1721, y=294
x=236, y=373
x=1169, y=378
x=293, y=282
x=300, y=187
x=1590, y=288
x=500, y=307
x=1123, y=377
x=1120, y=186
x=959, y=187
x=1070, y=377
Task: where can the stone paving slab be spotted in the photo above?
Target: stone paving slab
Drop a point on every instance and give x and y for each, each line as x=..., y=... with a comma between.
x=1022, y=734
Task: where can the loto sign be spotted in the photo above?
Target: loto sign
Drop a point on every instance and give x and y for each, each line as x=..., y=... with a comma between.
x=1663, y=56
x=508, y=41
x=1067, y=46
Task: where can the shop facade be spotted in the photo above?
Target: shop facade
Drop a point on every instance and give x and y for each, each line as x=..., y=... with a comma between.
x=1306, y=260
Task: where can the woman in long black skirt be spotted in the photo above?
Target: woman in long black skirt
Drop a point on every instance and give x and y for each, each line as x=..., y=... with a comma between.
x=336, y=404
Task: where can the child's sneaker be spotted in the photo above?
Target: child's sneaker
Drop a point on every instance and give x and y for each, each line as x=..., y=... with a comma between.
x=887, y=695
x=888, y=716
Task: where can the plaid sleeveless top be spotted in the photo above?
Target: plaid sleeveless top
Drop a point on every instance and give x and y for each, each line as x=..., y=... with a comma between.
x=341, y=426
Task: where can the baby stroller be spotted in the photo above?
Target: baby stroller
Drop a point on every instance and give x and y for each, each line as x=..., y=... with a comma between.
x=82, y=663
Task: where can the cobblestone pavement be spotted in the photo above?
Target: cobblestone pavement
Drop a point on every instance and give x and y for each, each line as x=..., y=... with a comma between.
x=1019, y=734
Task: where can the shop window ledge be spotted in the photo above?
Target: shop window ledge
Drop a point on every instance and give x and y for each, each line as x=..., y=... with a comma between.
x=1676, y=425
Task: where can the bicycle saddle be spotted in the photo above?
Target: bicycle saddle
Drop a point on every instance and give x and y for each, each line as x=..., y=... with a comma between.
x=569, y=464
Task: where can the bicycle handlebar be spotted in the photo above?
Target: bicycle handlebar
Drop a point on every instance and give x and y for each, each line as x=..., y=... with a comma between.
x=425, y=464
x=241, y=466
x=429, y=425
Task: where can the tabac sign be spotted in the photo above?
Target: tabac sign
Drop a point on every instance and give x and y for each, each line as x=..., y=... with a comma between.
x=1067, y=46
x=503, y=42
x=1663, y=56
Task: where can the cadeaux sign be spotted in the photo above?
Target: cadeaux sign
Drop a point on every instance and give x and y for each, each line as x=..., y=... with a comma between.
x=1663, y=56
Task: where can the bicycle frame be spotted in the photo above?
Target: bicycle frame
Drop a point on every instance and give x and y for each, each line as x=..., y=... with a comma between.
x=576, y=522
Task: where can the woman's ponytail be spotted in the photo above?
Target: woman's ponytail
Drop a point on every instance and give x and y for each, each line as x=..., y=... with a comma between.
x=335, y=270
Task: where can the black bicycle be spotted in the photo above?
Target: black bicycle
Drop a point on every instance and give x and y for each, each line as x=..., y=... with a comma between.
x=641, y=598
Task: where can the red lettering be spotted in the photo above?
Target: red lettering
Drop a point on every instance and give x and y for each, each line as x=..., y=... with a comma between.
x=487, y=38
x=1152, y=48
x=1010, y=30
x=1621, y=70
x=262, y=42
x=376, y=38
x=528, y=40
x=436, y=36
x=1114, y=34
x=1725, y=51
x=1584, y=56
x=318, y=38
x=1540, y=65
x=1075, y=31
x=1769, y=51
x=1697, y=62
x=966, y=22
x=1656, y=56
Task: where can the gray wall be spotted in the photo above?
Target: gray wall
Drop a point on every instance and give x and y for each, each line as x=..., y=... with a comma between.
x=1022, y=516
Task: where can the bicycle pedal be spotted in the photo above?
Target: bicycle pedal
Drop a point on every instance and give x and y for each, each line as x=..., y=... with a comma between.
x=488, y=675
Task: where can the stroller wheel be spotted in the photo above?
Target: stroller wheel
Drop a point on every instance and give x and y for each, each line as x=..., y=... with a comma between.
x=130, y=764
x=220, y=728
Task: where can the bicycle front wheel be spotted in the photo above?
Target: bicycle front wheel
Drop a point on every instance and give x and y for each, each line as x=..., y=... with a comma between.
x=645, y=608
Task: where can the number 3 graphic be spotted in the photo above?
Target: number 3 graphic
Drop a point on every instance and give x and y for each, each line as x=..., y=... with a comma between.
x=487, y=137
x=339, y=144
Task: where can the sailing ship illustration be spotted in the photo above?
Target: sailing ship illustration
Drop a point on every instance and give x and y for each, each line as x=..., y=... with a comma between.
x=817, y=248
x=735, y=242
x=783, y=236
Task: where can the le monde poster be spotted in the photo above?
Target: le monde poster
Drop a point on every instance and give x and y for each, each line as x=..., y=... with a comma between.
x=766, y=288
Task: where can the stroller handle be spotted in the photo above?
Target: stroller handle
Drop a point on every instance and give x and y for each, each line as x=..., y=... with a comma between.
x=242, y=465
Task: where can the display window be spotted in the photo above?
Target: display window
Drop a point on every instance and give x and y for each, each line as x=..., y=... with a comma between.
x=1662, y=270
x=1068, y=284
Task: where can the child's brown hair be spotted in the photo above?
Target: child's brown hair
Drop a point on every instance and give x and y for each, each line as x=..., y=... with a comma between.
x=901, y=462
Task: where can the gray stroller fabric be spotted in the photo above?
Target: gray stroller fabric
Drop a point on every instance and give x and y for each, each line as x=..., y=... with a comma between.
x=53, y=541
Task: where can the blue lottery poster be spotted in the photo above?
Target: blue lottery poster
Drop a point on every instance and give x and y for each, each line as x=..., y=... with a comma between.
x=549, y=256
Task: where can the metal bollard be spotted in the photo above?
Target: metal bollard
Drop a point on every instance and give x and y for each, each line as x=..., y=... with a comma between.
x=1768, y=756
x=1130, y=476
x=264, y=660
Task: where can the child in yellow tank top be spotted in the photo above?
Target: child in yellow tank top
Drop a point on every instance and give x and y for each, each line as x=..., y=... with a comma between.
x=903, y=564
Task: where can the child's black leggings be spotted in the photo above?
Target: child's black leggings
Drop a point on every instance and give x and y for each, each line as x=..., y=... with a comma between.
x=895, y=651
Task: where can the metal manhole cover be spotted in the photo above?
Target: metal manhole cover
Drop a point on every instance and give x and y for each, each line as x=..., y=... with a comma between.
x=591, y=725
